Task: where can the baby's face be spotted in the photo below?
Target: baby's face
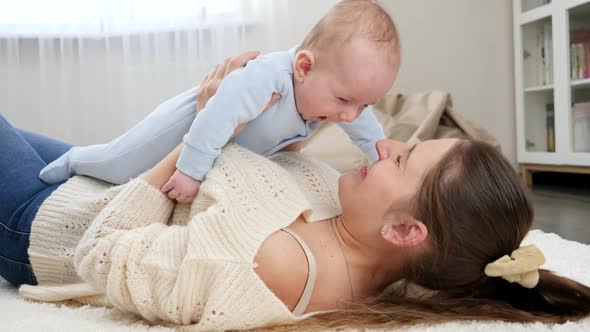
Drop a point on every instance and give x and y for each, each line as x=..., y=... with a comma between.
x=341, y=86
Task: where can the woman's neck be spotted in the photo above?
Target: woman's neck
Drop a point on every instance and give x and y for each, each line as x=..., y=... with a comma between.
x=370, y=269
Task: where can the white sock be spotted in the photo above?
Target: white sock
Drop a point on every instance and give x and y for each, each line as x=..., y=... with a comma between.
x=58, y=170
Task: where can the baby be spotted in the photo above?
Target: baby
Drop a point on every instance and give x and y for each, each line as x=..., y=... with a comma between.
x=347, y=62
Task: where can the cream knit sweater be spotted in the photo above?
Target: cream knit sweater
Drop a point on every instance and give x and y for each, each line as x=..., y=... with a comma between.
x=130, y=247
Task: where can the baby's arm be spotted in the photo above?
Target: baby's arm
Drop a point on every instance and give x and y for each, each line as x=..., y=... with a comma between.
x=365, y=132
x=242, y=96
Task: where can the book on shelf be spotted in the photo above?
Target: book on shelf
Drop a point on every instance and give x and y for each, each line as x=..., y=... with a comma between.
x=539, y=57
x=581, y=127
x=550, y=127
x=548, y=59
x=580, y=54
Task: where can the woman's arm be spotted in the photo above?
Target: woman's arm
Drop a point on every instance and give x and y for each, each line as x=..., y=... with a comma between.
x=158, y=175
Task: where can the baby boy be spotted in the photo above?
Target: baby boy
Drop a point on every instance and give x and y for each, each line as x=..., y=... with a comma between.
x=347, y=62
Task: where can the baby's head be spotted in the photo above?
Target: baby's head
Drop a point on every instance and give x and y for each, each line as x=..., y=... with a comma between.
x=349, y=60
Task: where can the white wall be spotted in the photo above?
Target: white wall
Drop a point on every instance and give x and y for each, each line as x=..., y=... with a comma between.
x=464, y=47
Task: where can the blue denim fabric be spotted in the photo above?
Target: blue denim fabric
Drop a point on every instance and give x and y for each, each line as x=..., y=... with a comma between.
x=22, y=155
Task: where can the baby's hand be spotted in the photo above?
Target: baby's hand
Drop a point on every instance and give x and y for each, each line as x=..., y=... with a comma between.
x=181, y=187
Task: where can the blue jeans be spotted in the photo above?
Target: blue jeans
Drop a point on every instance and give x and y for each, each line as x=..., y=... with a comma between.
x=22, y=155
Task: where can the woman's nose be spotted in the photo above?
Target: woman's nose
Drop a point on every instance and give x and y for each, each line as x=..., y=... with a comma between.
x=382, y=149
x=387, y=147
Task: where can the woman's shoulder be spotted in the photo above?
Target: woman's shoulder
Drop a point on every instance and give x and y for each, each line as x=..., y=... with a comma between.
x=282, y=265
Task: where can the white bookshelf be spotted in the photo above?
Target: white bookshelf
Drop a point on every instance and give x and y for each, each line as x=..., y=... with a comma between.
x=549, y=25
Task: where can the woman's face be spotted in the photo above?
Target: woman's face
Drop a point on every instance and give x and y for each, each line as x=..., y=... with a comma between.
x=368, y=194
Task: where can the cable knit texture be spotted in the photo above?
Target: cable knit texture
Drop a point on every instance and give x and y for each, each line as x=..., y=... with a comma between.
x=193, y=265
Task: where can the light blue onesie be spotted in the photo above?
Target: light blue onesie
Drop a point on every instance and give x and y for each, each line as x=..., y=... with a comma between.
x=240, y=98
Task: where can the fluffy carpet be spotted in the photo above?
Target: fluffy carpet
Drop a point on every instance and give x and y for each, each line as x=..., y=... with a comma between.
x=568, y=258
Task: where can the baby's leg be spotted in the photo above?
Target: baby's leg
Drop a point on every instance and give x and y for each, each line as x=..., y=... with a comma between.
x=135, y=151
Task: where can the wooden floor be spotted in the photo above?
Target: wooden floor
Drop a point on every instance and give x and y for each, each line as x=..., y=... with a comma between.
x=564, y=211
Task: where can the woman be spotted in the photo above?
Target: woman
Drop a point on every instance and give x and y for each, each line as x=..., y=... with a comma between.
x=284, y=241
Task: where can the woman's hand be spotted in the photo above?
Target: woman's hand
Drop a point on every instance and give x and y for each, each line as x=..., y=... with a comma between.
x=211, y=82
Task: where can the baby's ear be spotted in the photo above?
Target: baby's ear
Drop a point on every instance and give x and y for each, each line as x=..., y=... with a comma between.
x=304, y=61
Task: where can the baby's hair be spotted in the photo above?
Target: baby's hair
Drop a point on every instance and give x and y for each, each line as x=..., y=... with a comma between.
x=350, y=19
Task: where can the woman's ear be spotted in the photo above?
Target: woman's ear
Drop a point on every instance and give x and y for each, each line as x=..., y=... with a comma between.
x=304, y=61
x=411, y=232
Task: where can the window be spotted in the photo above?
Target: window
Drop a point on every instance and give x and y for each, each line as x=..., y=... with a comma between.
x=96, y=18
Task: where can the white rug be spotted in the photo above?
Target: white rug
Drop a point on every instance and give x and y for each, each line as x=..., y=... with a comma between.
x=568, y=258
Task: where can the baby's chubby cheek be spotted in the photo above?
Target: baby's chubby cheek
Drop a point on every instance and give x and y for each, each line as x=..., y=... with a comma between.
x=308, y=111
x=303, y=113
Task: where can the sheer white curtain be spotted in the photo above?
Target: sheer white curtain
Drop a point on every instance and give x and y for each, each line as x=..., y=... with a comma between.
x=85, y=70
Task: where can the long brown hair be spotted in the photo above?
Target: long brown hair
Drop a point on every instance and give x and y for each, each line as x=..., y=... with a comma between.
x=476, y=210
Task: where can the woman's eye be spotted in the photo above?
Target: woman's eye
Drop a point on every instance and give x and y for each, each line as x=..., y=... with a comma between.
x=343, y=100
